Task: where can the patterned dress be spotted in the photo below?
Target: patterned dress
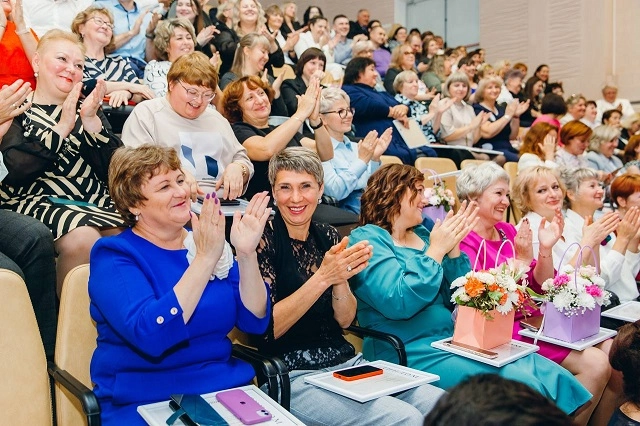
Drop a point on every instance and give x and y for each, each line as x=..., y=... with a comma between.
x=65, y=194
x=111, y=68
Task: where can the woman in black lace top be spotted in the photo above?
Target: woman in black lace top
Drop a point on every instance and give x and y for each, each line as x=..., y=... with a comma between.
x=307, y=267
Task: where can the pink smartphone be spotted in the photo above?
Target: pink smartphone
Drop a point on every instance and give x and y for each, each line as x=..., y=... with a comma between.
x=243, y=406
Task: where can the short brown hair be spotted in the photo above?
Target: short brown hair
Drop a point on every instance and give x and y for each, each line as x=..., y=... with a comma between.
x=526, y=179
x=130, y=168
x=630, y=149
x=165, y=30
x=193, y=68
x=535, y=136
x=575, y=129
x=85, y=15
x=380, y=202
x=233, y=93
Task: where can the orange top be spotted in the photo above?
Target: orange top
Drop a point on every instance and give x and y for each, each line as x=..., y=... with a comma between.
x=14, y=63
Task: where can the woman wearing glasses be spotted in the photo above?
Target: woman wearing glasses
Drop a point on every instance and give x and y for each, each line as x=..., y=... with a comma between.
x=346, y=174
x=182, y=120
x=94, y=26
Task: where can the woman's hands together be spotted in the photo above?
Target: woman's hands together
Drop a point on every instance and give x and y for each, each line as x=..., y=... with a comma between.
x=594, y=232
x=206, y=35
x=341, y=263
x=309, y=103
x=90, y=106
x=247, y=229
x=446, y=235
x=208, y=230
x=13, y=102
x=68, y=115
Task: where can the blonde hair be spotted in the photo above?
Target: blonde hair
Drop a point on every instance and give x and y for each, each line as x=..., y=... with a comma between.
x=260, y=23
x=165, y=30
x=52, y=36
x=482, y=85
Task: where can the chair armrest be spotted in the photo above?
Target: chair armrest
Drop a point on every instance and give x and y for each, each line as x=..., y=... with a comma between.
x=268, y=370
x=88, y=400
x=390, y=338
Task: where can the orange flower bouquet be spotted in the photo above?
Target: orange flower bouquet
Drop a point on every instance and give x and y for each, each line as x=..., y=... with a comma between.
x=487, y=301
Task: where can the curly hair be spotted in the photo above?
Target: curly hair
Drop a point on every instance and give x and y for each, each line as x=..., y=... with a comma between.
x=233, y=93
x=380, y=202
x=534, y=137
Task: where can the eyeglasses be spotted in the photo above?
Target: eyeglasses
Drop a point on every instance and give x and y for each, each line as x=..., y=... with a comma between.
x=409, y=52
x=343, y=113
x=206, y=96
x=100, y=22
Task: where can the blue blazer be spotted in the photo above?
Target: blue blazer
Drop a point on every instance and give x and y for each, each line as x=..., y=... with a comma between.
x=372, y=110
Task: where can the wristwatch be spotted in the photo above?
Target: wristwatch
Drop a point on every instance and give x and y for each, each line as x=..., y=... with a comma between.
x=507, y=116
x=318, y=126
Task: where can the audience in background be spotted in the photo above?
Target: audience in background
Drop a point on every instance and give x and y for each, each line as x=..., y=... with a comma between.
x=610, y=101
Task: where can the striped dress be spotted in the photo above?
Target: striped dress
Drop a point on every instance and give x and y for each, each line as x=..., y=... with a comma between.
x=68, y=194
x=111, y=68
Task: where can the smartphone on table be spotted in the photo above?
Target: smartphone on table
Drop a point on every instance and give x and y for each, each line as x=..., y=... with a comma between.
x=357, y=373
x=243, y=406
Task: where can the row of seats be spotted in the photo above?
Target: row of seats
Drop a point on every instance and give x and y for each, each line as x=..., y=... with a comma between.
x=446, y=165
x=25, y=390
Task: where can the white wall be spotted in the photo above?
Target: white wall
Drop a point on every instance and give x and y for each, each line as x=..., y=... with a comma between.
x=456, y=20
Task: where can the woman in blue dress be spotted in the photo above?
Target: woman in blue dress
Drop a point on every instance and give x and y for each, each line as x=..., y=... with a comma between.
x=405, y=290
x=165, y=298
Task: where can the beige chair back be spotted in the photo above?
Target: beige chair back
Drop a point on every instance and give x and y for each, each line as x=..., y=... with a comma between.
x=76, y=341
x=24, y=389
x=439, y=165
x=390, y=159
x=466, y=163
x=511, y=168
x=286, y=70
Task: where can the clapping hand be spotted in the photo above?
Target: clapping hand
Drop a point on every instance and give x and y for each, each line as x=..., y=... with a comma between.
x=90, y=106
x=246, y=229
x=13, y=100
x=594, y=232
x=446, y=235
x=521, y=107
x=68, y=115
x=208, y=230
x=206, y=35
x=366, y=146
x=548, y=147
x=383, y=143
x=548, y=235
x=524, y=242
x=341, y=263
x=309, y=103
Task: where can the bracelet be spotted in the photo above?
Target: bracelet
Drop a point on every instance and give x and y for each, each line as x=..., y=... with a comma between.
x=297, y=118
x=149, y=36
x=542, y=256
x=245, y=170
x=25, y=31
x=507, y=116
x=318, y=126
x=341, y=297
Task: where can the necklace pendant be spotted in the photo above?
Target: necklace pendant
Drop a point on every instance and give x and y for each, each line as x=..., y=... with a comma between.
x=26, y=134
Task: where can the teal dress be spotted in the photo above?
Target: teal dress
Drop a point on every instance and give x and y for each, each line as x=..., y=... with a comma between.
x=406, y=293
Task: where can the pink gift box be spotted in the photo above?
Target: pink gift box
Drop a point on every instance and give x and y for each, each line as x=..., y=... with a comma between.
x=570, y=328
x=473, y=328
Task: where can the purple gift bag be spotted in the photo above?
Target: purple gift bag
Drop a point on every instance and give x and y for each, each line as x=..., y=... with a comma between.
x=434, y=213
x=570, y=328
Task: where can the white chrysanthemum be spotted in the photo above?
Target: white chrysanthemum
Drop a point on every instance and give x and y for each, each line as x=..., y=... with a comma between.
x=434, y=200
x=506, y=308
x=547, y=285
x=486, y=277
x=460, y=292
x=567, y=269
x=581, y=283
x=563, y=300
x=598, y=280
x=585, y=300
x=459, y=282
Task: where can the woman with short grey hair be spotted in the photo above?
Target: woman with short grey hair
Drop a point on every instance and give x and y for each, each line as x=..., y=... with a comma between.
x=307, y=267
x=346, y=174
x=473, y=181
x=602, y=145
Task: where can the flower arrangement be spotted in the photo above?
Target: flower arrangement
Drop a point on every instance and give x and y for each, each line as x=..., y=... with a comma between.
x=438, y=195
x=503, y=288
x=573, y=292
